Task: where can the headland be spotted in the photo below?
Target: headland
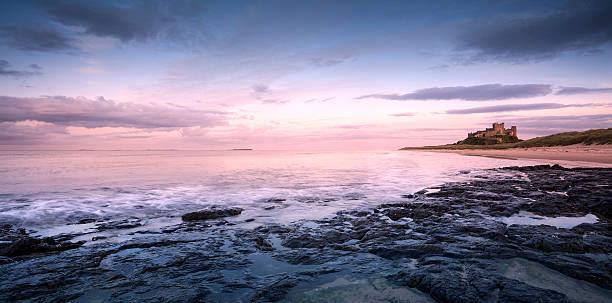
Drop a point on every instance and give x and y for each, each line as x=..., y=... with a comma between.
x=588, y=146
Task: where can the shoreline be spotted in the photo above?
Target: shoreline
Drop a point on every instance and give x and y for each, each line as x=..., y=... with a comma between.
x=575, y=153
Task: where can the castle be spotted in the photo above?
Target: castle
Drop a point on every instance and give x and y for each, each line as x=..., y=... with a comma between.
x=497, y=130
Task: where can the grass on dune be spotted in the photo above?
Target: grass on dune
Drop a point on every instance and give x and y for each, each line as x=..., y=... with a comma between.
x=589, y=137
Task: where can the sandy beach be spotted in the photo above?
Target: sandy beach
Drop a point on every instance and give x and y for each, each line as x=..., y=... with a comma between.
x=578, y=152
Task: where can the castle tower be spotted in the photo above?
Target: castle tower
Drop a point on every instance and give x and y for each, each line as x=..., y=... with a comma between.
x=498, y=128
x=513, y=131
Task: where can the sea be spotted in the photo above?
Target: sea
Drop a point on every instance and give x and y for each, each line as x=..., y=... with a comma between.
x=49, y=192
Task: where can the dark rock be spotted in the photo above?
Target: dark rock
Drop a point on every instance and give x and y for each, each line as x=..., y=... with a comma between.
x=211, y=213
x=28, y=245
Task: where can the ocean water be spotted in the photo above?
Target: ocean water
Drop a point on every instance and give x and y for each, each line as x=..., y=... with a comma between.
x=50, y=191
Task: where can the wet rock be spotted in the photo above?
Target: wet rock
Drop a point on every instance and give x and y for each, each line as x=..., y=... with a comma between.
x=262, y=243
x=275, y=291
x=123, y=224
x=212, y=213
x=28, y=245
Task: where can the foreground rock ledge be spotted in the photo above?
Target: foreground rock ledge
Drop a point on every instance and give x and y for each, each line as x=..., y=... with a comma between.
x=209, y=214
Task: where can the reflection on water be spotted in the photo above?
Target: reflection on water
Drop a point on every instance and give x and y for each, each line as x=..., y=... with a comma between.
x=527, y=218
x=46, y=189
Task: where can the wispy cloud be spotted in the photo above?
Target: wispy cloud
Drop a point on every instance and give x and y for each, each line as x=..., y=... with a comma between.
x=582, y=90
x=103, y=113
x=542, y=37
x=403, y=115
x=518, y=107
x=328, y=61
x=471, y=93
x=274, y=101
x=6, y=71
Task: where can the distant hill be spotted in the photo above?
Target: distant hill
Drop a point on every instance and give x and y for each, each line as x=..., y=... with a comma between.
x=589, y=137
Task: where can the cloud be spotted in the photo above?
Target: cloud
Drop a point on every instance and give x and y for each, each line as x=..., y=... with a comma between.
x=274, y=101
x=5, y=71
x=138, y=20
x=471, y=93
x=518, y=107
x=439, y=67
x=355, y=126
x=582, y=90
x=319, y=100
x=39, y=38
x=28, y=132
x=403, y=115
x=103, y=113
x=260, y=88
x=542, y=37
x=545, y=125
x=327, y=62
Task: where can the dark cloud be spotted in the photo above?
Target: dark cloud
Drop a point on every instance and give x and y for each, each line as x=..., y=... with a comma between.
x=6, y=71
x=518, y=107
x=542, y=37
x=471, y=93
x=103, y=113
x=139, y=20
x=582, y=90
x=39, y=38
x=403, y=115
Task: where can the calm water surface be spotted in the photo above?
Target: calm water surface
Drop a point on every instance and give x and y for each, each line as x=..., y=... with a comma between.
x=45, y=190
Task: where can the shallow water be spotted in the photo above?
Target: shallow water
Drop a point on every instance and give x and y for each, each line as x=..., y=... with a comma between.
x=46, y=190
x=538, y=275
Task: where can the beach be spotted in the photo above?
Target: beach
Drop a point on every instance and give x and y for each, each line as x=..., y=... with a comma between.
x=578, y=152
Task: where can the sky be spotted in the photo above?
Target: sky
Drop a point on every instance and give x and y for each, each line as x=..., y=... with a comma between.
x=298, y=75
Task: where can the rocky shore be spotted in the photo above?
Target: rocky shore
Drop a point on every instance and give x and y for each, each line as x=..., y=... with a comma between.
x=451, y=243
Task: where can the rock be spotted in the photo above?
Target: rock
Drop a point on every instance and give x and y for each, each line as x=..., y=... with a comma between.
x=261, y=243
x=211, y=213
x=28, y=245
x=275, y=291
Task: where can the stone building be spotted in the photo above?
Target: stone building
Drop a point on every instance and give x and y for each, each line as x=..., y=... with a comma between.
x=497, y=130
